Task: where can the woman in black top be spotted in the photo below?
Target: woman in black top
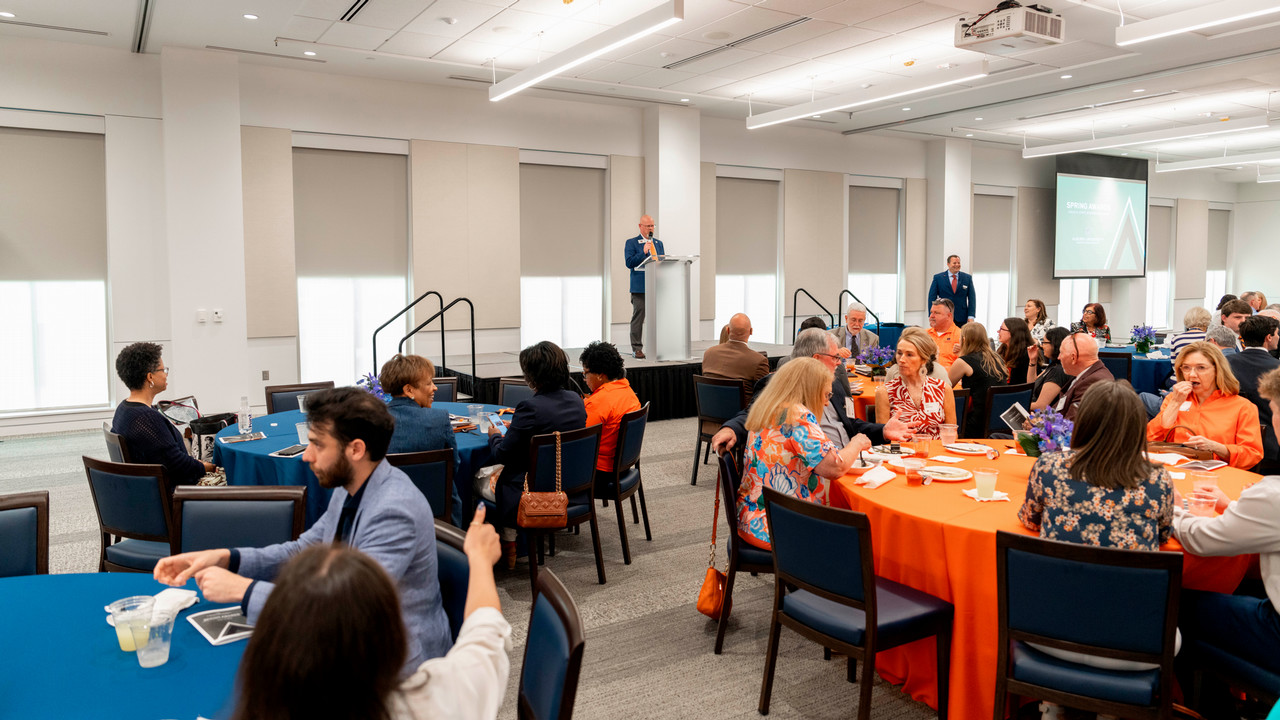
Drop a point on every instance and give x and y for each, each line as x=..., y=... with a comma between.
x=1053, y=379
x=979, y=367
x=1014, y=338
x=148, y=435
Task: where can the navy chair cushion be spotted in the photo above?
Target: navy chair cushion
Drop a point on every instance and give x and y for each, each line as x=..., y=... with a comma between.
x=577, y=511
x=749, y=553
x=718, y=401
x=130, y=503
x=430, y=480
x=18, y=537
x=1229, y=665
x=446, y=392
x=454, y=573
x=604, y=482
x=137, y=554
x=514, y=394
x=1032, y=666
x=546, y=660
x=235, y=523
x=904, y=614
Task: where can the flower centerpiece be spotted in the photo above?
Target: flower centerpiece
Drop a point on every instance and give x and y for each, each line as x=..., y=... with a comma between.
x=879, y=358
x=370, y=384
x=1144, y=336
x=1049, y=432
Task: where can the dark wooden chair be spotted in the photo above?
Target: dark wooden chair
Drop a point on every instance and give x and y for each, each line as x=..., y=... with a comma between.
x=512, y=390
x=133, y=506
x=552, y=653
x=432, y=472
x=117, y=448
x=446, y=389
x=962, y=408
x=1119, y=363
x=1001, y=398
x=208, y=518
x=24, y=534
x=454, y=573
x=577, y=480
x=743, y=556
x=625, y=481
x=282, y=398
x=718, y=400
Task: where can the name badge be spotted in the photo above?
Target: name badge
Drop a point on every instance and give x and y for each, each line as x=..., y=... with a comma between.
x=1184, y=406
x=933, y=408
x=848, y=407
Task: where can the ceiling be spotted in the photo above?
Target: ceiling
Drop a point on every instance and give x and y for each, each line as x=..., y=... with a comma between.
x=1084, y=88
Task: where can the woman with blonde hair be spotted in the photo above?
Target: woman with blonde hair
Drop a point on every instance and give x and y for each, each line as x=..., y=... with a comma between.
x=979, y=367
x=914, y=395
x=786, y=449
x=1205, y=410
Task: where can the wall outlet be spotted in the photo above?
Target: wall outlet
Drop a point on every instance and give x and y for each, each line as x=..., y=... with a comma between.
x=217, y=315
x=202, y=315
x=266, y=374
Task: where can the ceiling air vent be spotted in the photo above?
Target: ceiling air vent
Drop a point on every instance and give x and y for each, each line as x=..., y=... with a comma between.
x=739, y=42
x=354, y=10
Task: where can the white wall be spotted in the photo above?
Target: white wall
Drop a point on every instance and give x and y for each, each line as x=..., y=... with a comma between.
x=728, y=142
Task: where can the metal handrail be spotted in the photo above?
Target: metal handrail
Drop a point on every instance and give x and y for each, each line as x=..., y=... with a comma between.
x=440, y=314
x=840, y=299
x=406, y=309
x=795, y=300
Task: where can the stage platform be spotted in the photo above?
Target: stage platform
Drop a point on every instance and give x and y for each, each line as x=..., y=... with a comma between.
x=666, y=386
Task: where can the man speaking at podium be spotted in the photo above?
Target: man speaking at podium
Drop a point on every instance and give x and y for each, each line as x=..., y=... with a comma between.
x=638, y=248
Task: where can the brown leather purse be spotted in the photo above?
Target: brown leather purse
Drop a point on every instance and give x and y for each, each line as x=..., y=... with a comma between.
x=544, y=509
x=1178, y=448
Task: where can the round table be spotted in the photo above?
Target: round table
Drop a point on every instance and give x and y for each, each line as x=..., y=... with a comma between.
x=251, y=462
x=1146, y=374
x=936, y=539
x=62, y=658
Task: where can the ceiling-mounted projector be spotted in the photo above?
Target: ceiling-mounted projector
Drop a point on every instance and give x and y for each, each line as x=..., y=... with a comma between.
x=1010, y=29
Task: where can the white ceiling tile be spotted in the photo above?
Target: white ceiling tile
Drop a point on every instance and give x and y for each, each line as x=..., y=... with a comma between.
x=510, y=28
x=853, y=12
x=871, y=52
x=469, y=16
x=698, y=84
x=941, y=32
x=736, y=26
x=755, y=66
x=615, y=72
x=325, y=9
x=724, y=58
x=567, y=33
x=797, y=7
x=415, y=44
x=350, y=35
x=659, y=78
x=470, y=52
x=606, y=12
x=305, y=28
x=520, y=58
x=799, y=76
x=668, y=52
x=854, y=78
x=636, y=46
x=390, y=14
x=912, y=16
x=698, y=13
x=1072, y=53
x=914, y=62
x=844, y=38
x=791, y=36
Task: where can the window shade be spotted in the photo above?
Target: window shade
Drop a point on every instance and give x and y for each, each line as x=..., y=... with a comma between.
x=746, y=226
x=53, y=205
x=1219, y=222
x=350, y=213
x=1159, y=237
x=561, y=221
x=992, y=233
x=873, y=230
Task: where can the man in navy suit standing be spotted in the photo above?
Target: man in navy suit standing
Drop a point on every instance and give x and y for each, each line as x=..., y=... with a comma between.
x=638, y=248
x=957, y=287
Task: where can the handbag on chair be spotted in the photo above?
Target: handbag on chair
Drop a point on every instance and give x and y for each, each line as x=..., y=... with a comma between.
x=544, y=509
x=1178, y=448
x=711, y=600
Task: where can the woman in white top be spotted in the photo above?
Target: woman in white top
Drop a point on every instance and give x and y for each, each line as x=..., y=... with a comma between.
x=331, y=643
x=1037, y=320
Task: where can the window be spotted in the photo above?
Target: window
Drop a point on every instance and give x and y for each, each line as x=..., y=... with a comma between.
x=565, y=310
x=1158, y=298
x=754, y=295
x=992, y=240
x=874, y=246
x=53, y=345
x=1215, y=277
x=992, y=289
x=1215, y=286
x=747, y=254
x=336, y=320
x=1073, y=296
x=1159, y=240
x=879, y=292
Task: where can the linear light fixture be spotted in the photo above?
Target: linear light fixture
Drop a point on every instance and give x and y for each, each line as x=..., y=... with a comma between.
x=1198, y=18
x=1246, y=159
x=1268, y=177
x=1144, y=138
x=964, y=73
x=646, y=23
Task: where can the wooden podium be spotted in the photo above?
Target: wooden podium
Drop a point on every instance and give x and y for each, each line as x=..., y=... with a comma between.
x=666, y=305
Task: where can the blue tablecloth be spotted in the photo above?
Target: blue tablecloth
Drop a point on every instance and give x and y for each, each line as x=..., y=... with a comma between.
x=251, y=463
x=62, y=660
x=1147, y=374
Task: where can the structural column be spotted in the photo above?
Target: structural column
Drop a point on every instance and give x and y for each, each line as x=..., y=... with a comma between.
x=672, y=187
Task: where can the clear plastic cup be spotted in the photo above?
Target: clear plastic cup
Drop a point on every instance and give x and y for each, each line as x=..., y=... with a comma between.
x=476, y=413
x=985, y=480
x=1203, y=482
x=949, y=433
x=302, y=406
x=156, y=651
x=1202, y=504
x=912, y=467
x=302, y=429
x=132, y=618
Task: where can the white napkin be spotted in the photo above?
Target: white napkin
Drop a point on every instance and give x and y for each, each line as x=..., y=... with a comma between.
x=996, y=497
x=875, y=477
x=1157, y=355
x=1165, y=458
x=176, y=599
x=1014, y=451
x=946, y=459
x=1177, y=475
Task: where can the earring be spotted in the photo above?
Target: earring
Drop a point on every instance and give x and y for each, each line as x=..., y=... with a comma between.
x=150, y=384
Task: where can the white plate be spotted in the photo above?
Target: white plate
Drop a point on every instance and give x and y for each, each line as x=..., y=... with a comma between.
x=946, y=474
x=966, y=448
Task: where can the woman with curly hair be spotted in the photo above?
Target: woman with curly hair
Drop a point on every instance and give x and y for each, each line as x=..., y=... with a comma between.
x=149, y=436
x=611, y=397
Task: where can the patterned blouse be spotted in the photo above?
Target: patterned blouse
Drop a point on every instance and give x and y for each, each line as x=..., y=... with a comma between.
x=1039, y=329
x=1075, y=511
x=933, y=397
x=1102, y=333
x=782, y=458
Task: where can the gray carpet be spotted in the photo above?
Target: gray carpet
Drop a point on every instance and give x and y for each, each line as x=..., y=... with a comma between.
x=648, y=651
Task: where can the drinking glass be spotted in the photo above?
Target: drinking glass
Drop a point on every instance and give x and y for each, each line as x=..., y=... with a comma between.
x=302, y=404
x=302, y=429
x=949, y=433
x=156, y=650
x=985, y=479
x=1203, y=482
x=1202, y=504
x=912, y=467
x=478, y=418
x=132, y=616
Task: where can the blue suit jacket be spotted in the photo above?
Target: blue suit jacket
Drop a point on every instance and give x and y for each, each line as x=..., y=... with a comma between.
x=964, y=298
x=543, y=413
x=394, y=527
x=419, y=429
x=634, y=255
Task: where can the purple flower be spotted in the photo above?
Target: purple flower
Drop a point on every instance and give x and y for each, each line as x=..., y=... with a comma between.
x=370, y=384
x=1051, y=430
x=877, y=356
x=1143, y=333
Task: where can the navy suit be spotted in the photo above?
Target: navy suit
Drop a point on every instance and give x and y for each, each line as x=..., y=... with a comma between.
x=634, y=254
x=1248, y=365
x=964, y=298
x=543, y=413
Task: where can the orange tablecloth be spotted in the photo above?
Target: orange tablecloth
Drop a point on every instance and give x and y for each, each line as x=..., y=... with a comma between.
x=864, y=399
x=935, y=539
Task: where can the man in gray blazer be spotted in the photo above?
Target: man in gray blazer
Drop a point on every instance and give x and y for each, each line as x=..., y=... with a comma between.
x=852, y=335
x=375, y=508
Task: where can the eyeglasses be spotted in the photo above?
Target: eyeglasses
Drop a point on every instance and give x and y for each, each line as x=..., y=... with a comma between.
x=1089, y=312
x=163, y=369
x=833, y=357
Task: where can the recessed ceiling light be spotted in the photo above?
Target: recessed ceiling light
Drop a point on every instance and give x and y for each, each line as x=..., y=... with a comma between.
x=684, y=99
x=717, y=35
x=1124, y=153
x=977, y=118
x=1124, y=125
x=308, y=53
x=7, y=15
x=250, y=16
x=867, y=85
x=1140, y=90
x=448, y=20
x=905, y=109
x=815, y=117
x=968, y=135
x=1239, y=167
x=1065, y=77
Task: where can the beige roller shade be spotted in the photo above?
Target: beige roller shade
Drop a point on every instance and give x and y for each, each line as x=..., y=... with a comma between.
x=992, y=233
x=270, y=278
x=53, y=205
x=746, y=226
x=873, y=230
x=350, y=213
x=561, y=221
x=1219, y=224
x=1159, y=237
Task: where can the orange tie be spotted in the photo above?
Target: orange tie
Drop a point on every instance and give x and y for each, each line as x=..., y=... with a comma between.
x=649, y=249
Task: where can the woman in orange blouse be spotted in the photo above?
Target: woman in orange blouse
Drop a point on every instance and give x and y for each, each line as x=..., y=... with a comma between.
x=611, y=397
x=1205, y=409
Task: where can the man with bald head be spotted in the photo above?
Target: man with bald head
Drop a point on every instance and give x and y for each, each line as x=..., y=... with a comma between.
x=637, y=249
x=1079, y=356
x=733, y=360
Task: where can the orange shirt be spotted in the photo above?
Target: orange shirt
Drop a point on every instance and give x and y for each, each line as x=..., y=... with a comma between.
x=947, y=342
x=1228, y=419
x=607, y=405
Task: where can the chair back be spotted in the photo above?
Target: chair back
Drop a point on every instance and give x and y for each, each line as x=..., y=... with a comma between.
x=962, y=407
x=283, y=398
x=24, y=534
x=1120, y=364
x=578, y=450
x=718, y=399
x=453, y=572
x=117, y=450
x=1048, y=594
x=552, y=653
x=132, y=500
x=730, y=481
x=797, y=526
x=432, y=472
x=630, y=439
x=446, y=389
x=208, y=518
x=1001, y=398
x=512, y=391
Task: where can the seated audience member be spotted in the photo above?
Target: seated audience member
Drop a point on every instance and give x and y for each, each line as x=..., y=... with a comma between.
x=1223, y=301
x=1223, y=337
x=150, y=437
x=331, y=643
x=938, y=372
x=724, y=334
x=1254, y=299
x=1037, y=318
x=1052, y=378
x=1233, y=312
x=978, y=368
x=837, y=418
x=1273, y=307
x=553, y=407
x=1273, y=312
x=944, y=332
x=1094, y=318
x=735, y=360
x=1204, y=409
x=913, y=396
x=841, y=372
x=786, y=449
x=1196, y=322
x=410, y=380
x=1244, y=626
x=851, y=335
x=1260, y=335
x=611, y=397
x=1015, y=338
x=1080, y=361
x=375, y=508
